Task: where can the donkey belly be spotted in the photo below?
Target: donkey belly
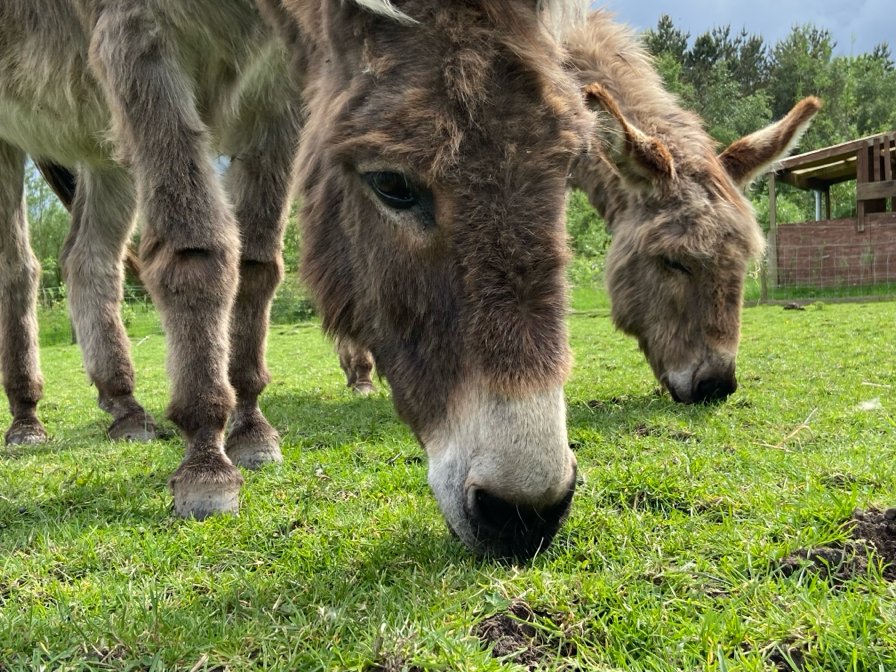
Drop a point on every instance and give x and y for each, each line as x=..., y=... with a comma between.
x=50, y=104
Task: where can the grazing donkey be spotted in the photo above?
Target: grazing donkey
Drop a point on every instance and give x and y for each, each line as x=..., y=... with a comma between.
x=682, y=231
x=418, y=147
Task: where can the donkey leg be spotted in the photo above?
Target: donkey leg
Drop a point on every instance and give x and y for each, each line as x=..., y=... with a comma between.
x=19, y=273
x=103, y=215
x=357, y=365
x=259, y=182
x=189, y=245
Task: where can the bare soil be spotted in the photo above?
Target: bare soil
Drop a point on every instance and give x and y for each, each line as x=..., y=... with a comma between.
x=514, y=634
x=872, y=539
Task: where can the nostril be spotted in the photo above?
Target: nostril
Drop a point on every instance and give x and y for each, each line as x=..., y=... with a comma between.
x=715, y=388
x=493, y=513
x=516, y=530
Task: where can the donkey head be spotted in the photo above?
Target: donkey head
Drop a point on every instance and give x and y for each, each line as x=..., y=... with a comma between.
x=683, y=234
x=434, y=166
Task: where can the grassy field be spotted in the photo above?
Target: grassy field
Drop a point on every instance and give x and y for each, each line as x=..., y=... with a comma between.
x=701, y=538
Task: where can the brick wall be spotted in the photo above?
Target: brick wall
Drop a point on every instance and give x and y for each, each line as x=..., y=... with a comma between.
x=833, y=254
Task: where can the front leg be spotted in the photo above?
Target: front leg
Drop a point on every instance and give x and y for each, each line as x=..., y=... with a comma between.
x=190, y=244
x=19, y=274
x=259, y=183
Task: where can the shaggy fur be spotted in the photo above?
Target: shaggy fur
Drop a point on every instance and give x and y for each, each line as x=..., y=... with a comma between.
x=469, y=327
x=683, y=233
x=471, y=302
x=136, y=95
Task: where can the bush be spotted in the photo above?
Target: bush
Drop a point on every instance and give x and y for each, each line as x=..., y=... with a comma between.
x=290, y=304
x=589, y=240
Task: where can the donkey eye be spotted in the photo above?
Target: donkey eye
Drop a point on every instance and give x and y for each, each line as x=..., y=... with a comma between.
x=393, y=189
x=673, y=265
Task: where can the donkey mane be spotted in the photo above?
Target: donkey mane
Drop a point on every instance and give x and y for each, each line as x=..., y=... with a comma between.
x=560, y=15
x=609, y=53
x=387, y=9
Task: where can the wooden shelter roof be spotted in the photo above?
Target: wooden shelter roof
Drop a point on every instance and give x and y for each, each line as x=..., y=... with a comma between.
x=821, y=168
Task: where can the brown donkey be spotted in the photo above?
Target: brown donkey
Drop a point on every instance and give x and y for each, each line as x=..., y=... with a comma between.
x=682, y=231
x=418, y=148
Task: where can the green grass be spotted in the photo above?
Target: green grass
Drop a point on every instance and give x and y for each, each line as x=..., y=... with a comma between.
x=879, y=291
x=340, y=559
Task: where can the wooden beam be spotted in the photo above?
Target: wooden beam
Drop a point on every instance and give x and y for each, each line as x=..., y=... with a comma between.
x=861, y=176
x=871, y=191
x=886, y=159
x=819, y=157
x=842, y=171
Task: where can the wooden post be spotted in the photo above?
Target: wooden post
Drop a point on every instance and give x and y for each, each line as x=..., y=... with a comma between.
x=827, y=202
x=861, y=178
x=771, y=255
x=887, y=160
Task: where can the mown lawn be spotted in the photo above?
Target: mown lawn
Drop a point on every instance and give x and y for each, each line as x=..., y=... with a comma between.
x=678, y=555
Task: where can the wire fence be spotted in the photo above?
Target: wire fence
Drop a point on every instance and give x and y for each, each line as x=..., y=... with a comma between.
x=832, y=259
x=139, y=316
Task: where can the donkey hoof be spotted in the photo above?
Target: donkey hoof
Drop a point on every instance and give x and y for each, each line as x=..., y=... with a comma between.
x=25, y=432
x=206, y=486
x=363, y=388
x=252, y=442
x=134, y=427
x=253, y=452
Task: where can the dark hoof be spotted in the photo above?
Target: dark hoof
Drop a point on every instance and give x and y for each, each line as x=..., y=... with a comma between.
x=206, y=485
x=363, y=388
x=137, y=426
x=253, y=443
x=25, y=432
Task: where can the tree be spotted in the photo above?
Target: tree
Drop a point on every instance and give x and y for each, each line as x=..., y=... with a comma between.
x=667, y=39
x=49, y=223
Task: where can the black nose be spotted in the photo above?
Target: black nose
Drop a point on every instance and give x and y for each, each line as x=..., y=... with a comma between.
x=714, y=388
x=516, y=531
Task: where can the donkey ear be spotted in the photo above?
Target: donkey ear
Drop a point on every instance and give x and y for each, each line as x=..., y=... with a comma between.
x=648, y=153
x=747, y=158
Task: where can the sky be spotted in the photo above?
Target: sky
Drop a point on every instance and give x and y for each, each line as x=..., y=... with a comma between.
x=857, y=25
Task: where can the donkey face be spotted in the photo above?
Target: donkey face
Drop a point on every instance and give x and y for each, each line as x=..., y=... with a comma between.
x=683, y=234
x=434, y=166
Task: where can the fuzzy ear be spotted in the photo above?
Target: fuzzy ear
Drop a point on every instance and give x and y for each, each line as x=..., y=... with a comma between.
x=648, y=153
x=747, y=158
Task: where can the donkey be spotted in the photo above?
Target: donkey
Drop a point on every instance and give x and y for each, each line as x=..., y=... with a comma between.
x=417, y=147
x=682, y=231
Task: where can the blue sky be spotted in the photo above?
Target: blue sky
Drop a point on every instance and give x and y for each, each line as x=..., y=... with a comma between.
x=857, y=25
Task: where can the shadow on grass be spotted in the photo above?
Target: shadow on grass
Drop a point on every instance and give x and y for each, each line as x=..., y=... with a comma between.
x=89, y=499
x=314, y=421
x=634, y=413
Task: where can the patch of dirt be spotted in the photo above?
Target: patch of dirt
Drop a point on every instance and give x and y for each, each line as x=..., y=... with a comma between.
x=788, y=655
x=787, y=658
x=873, y=535
x=514, y=634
